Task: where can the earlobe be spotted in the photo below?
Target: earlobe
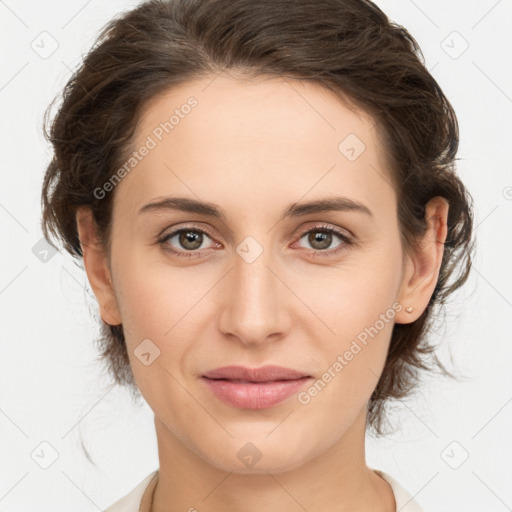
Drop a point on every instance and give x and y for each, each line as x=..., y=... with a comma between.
x=96, y=266
x=422, y=267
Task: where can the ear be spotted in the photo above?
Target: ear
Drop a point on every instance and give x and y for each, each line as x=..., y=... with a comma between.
x=96, y=266
x=422, y=267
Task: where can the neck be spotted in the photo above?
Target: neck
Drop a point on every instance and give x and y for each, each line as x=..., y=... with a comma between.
x=337, y=480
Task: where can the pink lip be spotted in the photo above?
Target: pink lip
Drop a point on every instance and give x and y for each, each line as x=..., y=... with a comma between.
x=263, y=374
x=254, y=388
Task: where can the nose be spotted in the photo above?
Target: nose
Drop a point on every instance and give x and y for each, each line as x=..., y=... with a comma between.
x=255, y=303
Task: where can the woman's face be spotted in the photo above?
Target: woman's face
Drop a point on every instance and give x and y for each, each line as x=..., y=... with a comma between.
x=262, y=282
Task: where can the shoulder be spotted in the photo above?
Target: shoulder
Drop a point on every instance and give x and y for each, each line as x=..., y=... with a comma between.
x=404, y=501
x=131, y=502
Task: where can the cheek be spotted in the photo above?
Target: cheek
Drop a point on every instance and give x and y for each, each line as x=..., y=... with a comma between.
x=353, y=358
x=142, y=307
x=354, y=297
x=150, y=293
x=163, y=304
x=154, y=314
x=359, y=305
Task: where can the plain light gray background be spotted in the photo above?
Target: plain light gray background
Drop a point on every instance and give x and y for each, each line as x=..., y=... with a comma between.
x=453, y=450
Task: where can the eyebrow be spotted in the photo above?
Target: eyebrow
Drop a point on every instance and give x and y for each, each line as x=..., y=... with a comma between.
x=293, y=210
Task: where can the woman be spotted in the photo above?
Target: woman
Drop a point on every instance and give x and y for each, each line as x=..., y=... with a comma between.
x=264, y=196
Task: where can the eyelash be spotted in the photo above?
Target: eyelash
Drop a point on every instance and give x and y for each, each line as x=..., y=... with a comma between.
x=346, y=241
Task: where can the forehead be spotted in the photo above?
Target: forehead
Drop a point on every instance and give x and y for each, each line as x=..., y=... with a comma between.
x=263, y=137
x=275, y=110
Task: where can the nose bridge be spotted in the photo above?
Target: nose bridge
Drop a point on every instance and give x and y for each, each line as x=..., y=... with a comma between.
x=254, y=307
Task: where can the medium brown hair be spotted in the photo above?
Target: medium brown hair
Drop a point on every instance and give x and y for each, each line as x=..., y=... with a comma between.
x=347, y=46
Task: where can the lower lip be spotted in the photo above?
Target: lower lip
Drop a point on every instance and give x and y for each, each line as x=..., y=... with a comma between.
x=257, y=395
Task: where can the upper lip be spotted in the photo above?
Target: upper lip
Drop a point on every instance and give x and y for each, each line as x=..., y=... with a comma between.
x=262, y=374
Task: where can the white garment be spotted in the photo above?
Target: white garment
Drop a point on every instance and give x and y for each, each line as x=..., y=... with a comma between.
x=131, y=502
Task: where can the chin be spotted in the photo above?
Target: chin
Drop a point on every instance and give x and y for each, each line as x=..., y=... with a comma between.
x=253, y=457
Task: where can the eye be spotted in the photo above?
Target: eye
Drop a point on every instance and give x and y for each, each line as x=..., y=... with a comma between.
x=320, y=239
x=190, y=241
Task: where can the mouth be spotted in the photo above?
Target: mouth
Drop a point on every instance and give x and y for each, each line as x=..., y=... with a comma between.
x=268, y=373
x=246, y=394
x=256, y=381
